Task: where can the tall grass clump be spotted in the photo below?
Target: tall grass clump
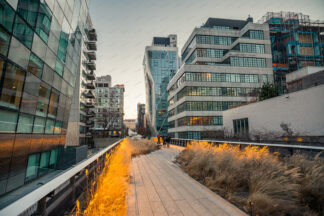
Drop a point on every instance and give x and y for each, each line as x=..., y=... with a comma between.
x=255, y=179
x=108, y=196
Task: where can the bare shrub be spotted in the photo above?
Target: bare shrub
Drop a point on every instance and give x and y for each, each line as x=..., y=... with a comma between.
x=255, y=178
x=141, y=146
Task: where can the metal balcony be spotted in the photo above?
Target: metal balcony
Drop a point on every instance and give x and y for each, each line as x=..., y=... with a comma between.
x=91, y=55
x=90, y=114
x=89, y=105
x=88, y=134
x=90, y=122
x=91, y=34
x=91, y=45
x=90, y=85
x=91, y=65
x=91, y=75
x=89, y=94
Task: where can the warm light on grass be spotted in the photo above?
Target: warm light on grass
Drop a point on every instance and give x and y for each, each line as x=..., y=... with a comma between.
x=113, y=183
x=257, y=180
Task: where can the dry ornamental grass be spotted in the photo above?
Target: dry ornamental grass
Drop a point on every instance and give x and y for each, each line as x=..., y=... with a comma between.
x=256, y=180
x=109, y=197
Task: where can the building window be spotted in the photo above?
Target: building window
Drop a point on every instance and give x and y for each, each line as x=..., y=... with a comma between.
x=4, y=41
x=23, y=33
x=35, y=65
x=200, y=120
x=44, y=162
x=25, y=123
x=217, y=91
x=7, y=15
x=39, y=125
x=217, y=40
x=265, y=78
x=8, y=121
x=12, y=87
x=44, y=21
x=43, y=99
x=32, y=167
x=53, y=104
x=59, y=67
x=254, y=34
x=207, y=105
x=252, y=48
x=28, y=10
x=241, y=126
x=247, y=62
x=210, y=53
x=218, y=77
x=50, y=124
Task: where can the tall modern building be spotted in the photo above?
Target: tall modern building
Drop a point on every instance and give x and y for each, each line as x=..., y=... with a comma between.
x=296, y=42
x=82, y=116
x=109, y=108
x=40, y=55
x=160, y=64
x=140, y=117
x=224, y=63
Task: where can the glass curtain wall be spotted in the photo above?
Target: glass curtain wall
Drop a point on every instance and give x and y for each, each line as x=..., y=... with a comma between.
x=40, y=43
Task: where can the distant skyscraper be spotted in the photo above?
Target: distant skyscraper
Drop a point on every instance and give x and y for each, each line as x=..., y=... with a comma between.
x=40, y=56
x=140, y=116
x=160, y=64
x=224, y=63
x=296, y=42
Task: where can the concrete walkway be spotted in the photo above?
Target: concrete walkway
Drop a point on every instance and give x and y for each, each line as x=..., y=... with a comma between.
x=159, y=187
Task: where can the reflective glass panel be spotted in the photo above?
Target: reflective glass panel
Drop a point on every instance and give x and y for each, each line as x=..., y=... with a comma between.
x=23, y=33
x=25, y=123
x=12, y=87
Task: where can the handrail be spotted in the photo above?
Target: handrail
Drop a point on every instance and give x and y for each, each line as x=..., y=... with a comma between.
x=22, y=204
x=257, y=144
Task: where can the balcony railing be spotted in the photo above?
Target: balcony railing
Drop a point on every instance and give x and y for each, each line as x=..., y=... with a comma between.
x=90, y=85
x=91, y=34
x=91, y=45
x=90, y=114
x=89, y=105
x=91, y=65
x=89, y=94
x=89, y=122
x=91, y=75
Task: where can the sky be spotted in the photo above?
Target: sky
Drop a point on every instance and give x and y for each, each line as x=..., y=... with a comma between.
x=125, y=27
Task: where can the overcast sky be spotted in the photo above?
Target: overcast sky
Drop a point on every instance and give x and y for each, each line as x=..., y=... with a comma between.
x=125, y=27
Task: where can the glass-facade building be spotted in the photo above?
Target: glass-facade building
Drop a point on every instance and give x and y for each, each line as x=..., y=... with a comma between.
x=40, y=48
x=160, y=64
x=224, y=63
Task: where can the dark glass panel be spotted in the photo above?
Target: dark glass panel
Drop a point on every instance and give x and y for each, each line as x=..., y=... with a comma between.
x=7, y=15
x=28, y=10
x=35, y=65
x=44, y=162
x=4, y=42
x=44, y=21
x=32, y=167
x=53, y=104
x=43, y=99
x=23, y=33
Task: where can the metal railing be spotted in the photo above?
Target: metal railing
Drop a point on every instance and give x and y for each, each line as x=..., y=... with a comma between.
x=44, y=199
x=289, y=147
